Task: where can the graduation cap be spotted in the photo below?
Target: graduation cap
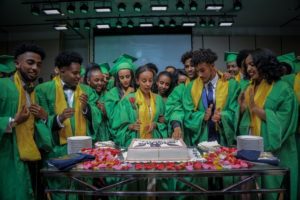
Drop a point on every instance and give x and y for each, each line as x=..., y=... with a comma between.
x=104, y=67
x=289, y=58
x=7, y=64
x=121, y=65
x=124, y=57
x=82, y=71
x=230, y=56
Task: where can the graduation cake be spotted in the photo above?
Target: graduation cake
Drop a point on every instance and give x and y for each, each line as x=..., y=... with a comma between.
x=143, y=150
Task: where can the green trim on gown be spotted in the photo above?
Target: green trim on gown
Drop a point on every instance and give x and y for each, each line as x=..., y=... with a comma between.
x=278, y=132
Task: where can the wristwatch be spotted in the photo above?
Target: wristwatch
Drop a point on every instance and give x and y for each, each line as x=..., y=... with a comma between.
x=12, y=123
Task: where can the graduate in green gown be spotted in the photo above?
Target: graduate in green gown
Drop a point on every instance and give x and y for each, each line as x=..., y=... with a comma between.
x=163, y=85
x=23, y=131
x=71, y=107
x=95, y=79
x=267, y=109
x=138, y=113
x=209, y=103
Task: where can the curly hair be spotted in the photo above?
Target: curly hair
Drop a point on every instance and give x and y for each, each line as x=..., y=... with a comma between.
x=186, y=55
x=64, y=59
x=267, y=64
x=204, y=56
x=29, y=47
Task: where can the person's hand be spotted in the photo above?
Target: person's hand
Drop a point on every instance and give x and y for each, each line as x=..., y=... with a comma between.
x=177, y=133
x=22, y=116
x=161, y=119
x=242, y=102
x=67, y=113
x=38, y=112
x=102, y=108
x=135, y=127
x=226, y=76
x=83, y=100
x=151, y=127
x=208, y=112
x=217, y=115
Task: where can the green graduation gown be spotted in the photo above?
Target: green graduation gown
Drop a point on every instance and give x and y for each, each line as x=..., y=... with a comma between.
x=127, y=115
x=45, y=94
x=278, y=132
x=14, y=175
x=195, y=126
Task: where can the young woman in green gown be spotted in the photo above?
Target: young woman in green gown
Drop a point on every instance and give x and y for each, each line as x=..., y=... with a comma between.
x=267, y=109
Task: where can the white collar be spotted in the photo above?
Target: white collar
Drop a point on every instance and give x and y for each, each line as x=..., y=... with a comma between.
x=213, y=81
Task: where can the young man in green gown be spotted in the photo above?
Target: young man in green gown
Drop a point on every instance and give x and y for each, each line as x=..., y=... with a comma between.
x=71, y=107
x=23, y=130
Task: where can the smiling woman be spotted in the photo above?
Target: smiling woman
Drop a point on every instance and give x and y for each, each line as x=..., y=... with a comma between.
x=267, y=109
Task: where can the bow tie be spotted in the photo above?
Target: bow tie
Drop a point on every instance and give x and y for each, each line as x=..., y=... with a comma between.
x=67, y=87
x=28, y=88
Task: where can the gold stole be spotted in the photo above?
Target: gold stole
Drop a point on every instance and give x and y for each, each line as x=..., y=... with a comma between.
x=146, y=113
x=61, y=104
x=187, y=81
x=260, y=97
x=297, y=86
x=238, y=77
x=25, y=131
x=221, y=92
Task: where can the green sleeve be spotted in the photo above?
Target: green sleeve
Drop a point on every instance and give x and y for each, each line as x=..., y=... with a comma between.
x=3, y=125
x=126, y=116
x=195, y=129
x=229, y=115
x=111, y=100
x=289, y=79
x=161, y=129
x=281, y=117
x=174, y=108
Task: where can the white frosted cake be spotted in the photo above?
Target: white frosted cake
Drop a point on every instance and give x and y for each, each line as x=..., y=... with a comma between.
x=143, y=150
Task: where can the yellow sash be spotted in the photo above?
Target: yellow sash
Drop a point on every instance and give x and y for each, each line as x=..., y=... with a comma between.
x=221, y=92
x=260, y=96
x=146, y=113
x=238, y=77
x=297, y=86
x=61, y=104
x=25, y=132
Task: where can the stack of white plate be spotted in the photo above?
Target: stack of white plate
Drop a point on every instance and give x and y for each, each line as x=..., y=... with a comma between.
x=249, y=142
x=76, y=143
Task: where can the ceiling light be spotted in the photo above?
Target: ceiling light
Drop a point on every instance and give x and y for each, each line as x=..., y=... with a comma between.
x=76, y=25
x=103, y=9
x=71, y=9
x=52, y=11
x=180, y=5
x=146, y=24
x=161, y=23
x=159, y=8
x=193, y=5
x=35, y=10
x=121, y=7
x=237, y=5
x=103, y=26
x=87, y=25
x=119, y=24
x=211, y=23
x=130, y=24
x=189, y=24
x=84, y=8
x=137, y=7
x=60, y=27
x=226, y=23
x=215, y=7
x=202, y=22
x=172, y=23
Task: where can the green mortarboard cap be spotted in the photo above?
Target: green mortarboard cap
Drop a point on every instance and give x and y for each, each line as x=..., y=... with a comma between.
x=121, y=65
x=289, y=58
x=230, y=56
x=82, y=71
x=104, y=67
x=125, y=57
x=7, y=64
